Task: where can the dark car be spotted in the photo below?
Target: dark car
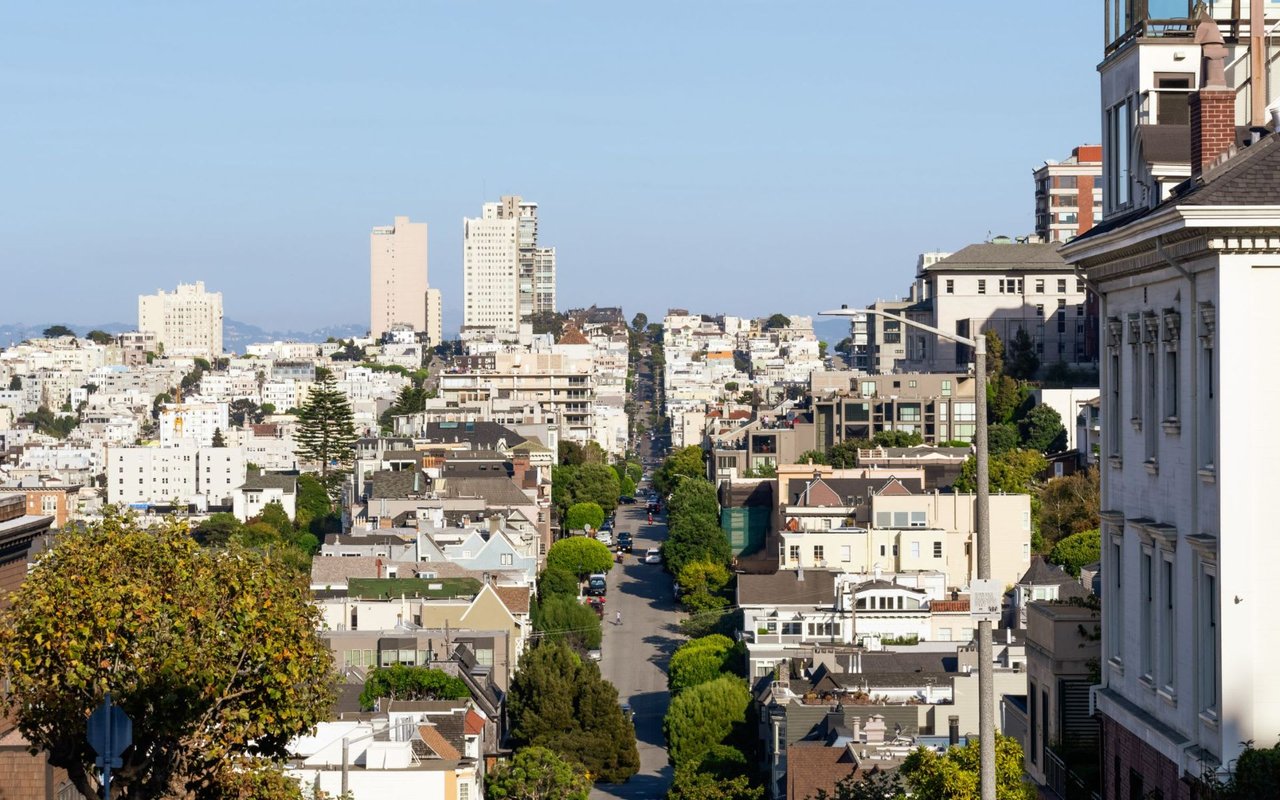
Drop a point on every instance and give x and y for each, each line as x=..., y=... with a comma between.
x=625, y=542
x=627, y=500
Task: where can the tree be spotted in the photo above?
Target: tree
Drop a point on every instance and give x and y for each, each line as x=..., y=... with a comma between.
x=844, y=455
x=583, y=515
x=580, y=555
x=548, y=322
x=244, y=411
x=639, y=321
x=315, y=512
x=273, y=514
x=698, y=661
x=213, y=654
x=686, y=461
x=218, y=439
x=590, y=483
x=691, y=783
x=874, y=785
x=1077, y=550
x=777, y=321
x=400, y=682
x=1014, y=472
x=563, y=617
x=15, y=383
x=897, y=439
x=557, y=580
x=995, y=354
x=1005, y=399
x=326, y=427
x=812, y=457
x=1002, y=437
x=1041, y=429
x=1255, y=774
x=50, y=424
x=100, y=337
x=56, y=331
x=704, y=716
x=702, y=576
x=559, y=701
x=1070, y=504
x=1021, y=361
x=954, y=774
x=536, y=773
x=217, y=530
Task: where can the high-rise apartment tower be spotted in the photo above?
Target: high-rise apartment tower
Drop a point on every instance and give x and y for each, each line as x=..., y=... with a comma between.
x=506, y=276
x=398, y=277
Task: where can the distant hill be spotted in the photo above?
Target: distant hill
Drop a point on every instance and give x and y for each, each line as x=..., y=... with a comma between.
x=235, y=335
x=830, y=329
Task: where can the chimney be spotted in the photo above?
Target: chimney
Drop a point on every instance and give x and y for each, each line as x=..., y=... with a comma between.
x=379, y=563
x=953, y=730
x=1213, y=114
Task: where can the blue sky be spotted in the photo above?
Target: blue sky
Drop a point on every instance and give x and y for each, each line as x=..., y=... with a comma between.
x=739, y=156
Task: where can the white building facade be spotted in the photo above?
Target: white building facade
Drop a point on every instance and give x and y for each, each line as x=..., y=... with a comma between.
x=187, y=322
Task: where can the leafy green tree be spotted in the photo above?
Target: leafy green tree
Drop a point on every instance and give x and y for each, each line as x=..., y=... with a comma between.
x=100, y=337
x=1002, y=437
x=685, y=462
x=315, y=512
x=213, y=654
x=548, y=322
x=218, y=439
x=244, y=411
x=49, y=423
x=897, y=439
x=954, y=774
x=844, y=455
x=1014, y=472
x=691, y=783
x=582, y=515
x=639, y=321
x=995, y=354
x=580, y=556
x=696, y=539
x=693, y=498
x=777, y=321
x=706, y=715
x=698, y=661
x=326, y=428
x=55, y=331
x=1041, y=429
x=560, y=616
x=703, y=576
x=1256, y=774
x=1006, y=399
x=1077, y=550
x=559, y=701
x=400, y=682
x=536, y=773
x=217, y=530
x=812, y=457
x=556, y=580
x=273, y=514
x=876, y=785
x=1021, y=361
x=1070, y=504
x=592, y=483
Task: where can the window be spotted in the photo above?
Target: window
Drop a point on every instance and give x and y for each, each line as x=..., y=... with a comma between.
x=1171, y=95
x=1039, y=285
x=1062, y=285
x=818, y=553
x=1112, y=423
x=1207, y=651
x=1111, y=610
x=915, y=549
x=868, y=388
x=505, y=559
x=919, y=519
x=937, y=549
x=1149, y=410
x=946, y=388
x=1170, y=324
x=795, y=553
x=982, y=286
x=951, y=286
x=1166, y=620
x=464, y=791
x=846, y=552
x=1208, y=405
x=792, y=629
x=1148, y=612
x=1033, y=720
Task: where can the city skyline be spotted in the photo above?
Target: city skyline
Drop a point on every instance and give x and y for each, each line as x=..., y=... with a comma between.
x=749, y=137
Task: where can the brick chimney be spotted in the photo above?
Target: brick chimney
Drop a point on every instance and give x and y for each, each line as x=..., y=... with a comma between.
x=1213, y=112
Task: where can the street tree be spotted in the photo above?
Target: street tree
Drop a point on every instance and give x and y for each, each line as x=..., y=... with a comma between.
x=1077, y=550
x=536, y=773
x=698, y=661
x=580, y=556
x=583, y=515
x=213, y=654
x=556, y=580
x=692, y=783
x=639, y=321
x=706, y=715
x=560, y=616
x=326, y=428
x=1041, y=429
x=686, y=462
x=400, y=682
x=559, y=701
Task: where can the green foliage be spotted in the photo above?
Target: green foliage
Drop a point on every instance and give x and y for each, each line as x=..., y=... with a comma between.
x=844, y=455
x=213, y=654
x=218, y=439
x=1041, y=429
x=400, y=682
x=560, y=616
x=685, y=462
x=812, y=457
x=50, y=424
x=698, y=661
x=556, y=580
x=1070, y=505
x=559, y=701
x=315, y=512
x=584, y=483
x=15, y=383
x=1077, y=550
x=897, y=439
x=954, y=775
x=871, y=786
x=100, y=337
x=326, y=428
x=583, y=515
x=995, y=354
x=639, y=321
x=1002, y=437
x=762, y=471
x=1014, y=472
x=244, y=411
x=1255, y=776
x=217, y=530
x=1007, y=399
x=691, y=783
x=548, y=322
x=273, y=514
x=777, y=321
x=693, y=527
x=55, y=331
x=580, y=556
x=702, y=576
x=705, y=715
x=1021, y=361
x=536, y=773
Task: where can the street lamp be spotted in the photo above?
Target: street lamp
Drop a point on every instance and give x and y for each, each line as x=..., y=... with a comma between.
x=986, y=692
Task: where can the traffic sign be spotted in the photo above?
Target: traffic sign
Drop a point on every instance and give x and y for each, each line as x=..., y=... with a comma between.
x=110, y=734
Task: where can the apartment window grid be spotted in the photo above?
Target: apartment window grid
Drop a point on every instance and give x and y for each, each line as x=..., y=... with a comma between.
x=1207, y=650
x=1111, y=422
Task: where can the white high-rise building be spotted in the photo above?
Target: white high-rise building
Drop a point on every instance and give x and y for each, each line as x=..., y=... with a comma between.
x=435, y=316
x=398, y=277
x=506, y=276
x=186, y=322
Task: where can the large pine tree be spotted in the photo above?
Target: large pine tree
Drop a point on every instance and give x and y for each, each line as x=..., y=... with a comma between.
x=327, y=432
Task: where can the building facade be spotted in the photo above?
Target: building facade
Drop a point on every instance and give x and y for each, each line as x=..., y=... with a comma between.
x=185, y=322
x=1069, y=194
x=398, y=277
x=506, y=276
x=190, y=475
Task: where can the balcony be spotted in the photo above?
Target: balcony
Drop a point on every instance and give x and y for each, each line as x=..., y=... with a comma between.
x=755, y=637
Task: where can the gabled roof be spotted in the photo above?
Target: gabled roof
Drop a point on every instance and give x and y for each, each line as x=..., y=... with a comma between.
x=1042, y=573
x=496, y=490
x=987, y=256
x=259, y=481
x=894, y=488
x=515, y=598
x=1249, y=178
x=783, y=588
x=434, y=739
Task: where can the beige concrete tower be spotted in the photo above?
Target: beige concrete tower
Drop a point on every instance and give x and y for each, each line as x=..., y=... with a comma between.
x=398, y=276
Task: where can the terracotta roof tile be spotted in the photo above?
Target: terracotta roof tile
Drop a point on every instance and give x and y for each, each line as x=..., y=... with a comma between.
x=474, y=725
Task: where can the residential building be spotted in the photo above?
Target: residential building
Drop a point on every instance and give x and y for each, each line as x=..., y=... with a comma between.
x=22, y=537
x=261, y=489
x=398, y=277
x=435, y=317
x=938, y=406
x=1005, y=287
x=192, y=423
x=506, y=276
x=201, y=476
x=1069, y=194
x=1187, y=292
x=185, y=322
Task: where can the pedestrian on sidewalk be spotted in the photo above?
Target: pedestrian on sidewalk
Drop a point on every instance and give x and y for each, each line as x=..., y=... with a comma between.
x=617, y=618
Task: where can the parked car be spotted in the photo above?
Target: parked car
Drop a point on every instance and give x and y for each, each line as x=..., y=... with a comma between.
x=597, y=584
x=605, y=537
x=627, y=712
x=625, y=542
x=594, y=655
x=627, y=500
x=653, y=556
